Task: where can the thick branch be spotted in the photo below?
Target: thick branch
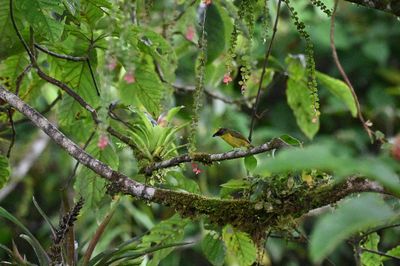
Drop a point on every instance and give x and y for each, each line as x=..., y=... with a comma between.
x=126, y=185
x=210, y=158
x=241, y=213
x=390, y=6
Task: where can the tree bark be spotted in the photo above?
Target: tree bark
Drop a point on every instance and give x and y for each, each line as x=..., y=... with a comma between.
x=389, y=6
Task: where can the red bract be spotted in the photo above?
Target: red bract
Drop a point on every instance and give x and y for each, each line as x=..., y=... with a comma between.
x=103, y=142
x=129, y=78
x=227, y=78
x=196, y=169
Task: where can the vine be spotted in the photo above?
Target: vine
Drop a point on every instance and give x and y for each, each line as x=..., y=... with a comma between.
x=199, y=90
x=310, y=63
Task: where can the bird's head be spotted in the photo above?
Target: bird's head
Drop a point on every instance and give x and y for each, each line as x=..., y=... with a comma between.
x=220, y=132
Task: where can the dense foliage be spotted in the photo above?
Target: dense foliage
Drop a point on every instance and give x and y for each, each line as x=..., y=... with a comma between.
x=142, y=86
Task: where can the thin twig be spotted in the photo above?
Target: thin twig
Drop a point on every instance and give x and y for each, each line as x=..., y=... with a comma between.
x=45, y=111
x=380, y=253
x=48, y=78
x=93, y=242
x=93, y=77
x=10, y=114
x=210, y=158
x=61, y=56
x=21, y=77
x=214, y=95
x=267, y=54
x=344, y=75
x=180, y=15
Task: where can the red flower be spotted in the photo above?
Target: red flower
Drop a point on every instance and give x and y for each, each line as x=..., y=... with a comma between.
x=227, y=78
x=189, y=33
x=129, y=78
x=103, y=142
x=207, y=2
x=196, y=169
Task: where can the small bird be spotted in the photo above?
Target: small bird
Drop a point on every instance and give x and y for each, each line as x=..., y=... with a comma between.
x=233, y=138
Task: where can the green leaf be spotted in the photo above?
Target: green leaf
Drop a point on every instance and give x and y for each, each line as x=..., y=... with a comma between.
x=239, y=245
x=90, y=186
x=327, y=158
x=178, y=180
x=352, y=216
x=39, y=15
x=339, y=89
x=233, y=185
x=215, y=29
x=299, y=97
x=368, y=258
x=291, y=140
x=250, y=162
x=4, y=171
x=167, y=232
x=147, y=90
x=155, y=45
x=394, y=252
x=39, y=251
x=213, y=248
x=9, y=43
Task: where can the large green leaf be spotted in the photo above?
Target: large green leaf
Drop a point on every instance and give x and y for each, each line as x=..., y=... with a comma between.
x=155, y=45
x=352, y=216
x=239, y=245
x=39, y=14
x=213, y=248
x=339, y=89
x=146, y=90
x=4, y=170
x=170, y=231
x=90, y=186
x=9, y=43
x=299, y=99
x=215, y=30
x=368, y=258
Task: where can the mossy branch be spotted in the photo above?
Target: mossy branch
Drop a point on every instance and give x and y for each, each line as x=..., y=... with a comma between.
x=241, y=213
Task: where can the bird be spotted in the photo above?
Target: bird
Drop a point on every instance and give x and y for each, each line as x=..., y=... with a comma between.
x=233, y=138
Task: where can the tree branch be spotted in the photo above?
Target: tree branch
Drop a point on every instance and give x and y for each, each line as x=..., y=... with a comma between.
x=389, y=6
x=241, y=213
x=210, y=158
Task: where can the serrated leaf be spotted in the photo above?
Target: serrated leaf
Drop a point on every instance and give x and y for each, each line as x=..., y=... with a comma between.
x=146, y=90
x=339, y=89
x=250, y=162
x=169, y=231
x=155, y=45
x=299, y=98
x=368, y=258
x=4, y=170
x=39, y=15
x=352, y=216
x=239, y=245
x=215, y=29
x=88, y=184
x=213, y=248
x=394, y=251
